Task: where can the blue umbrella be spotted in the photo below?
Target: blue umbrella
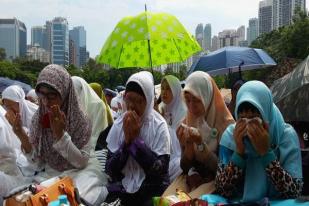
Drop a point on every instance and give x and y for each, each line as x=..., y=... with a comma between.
x=232, y=59
x=5, y=82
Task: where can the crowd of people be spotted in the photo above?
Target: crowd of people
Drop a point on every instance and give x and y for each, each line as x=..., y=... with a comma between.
x=189, y=141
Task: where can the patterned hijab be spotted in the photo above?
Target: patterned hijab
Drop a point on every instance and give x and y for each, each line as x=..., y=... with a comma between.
x=98, y=89
x=77, y=124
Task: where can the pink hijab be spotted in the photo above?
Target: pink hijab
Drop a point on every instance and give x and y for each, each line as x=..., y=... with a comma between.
x=77, y=124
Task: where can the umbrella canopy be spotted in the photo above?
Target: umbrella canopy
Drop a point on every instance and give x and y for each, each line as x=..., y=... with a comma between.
x=229, y=59
x=5, y=82
x=147, y=40
x=291, y=93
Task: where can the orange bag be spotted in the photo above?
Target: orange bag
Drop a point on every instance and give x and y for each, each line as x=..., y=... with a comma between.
x=64, y=186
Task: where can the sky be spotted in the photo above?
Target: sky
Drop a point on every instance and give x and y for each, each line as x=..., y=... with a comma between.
x=99, y=17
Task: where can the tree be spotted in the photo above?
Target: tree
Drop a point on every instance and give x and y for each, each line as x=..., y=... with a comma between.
x=74, y=71
x=289, y=41
x=2, y=54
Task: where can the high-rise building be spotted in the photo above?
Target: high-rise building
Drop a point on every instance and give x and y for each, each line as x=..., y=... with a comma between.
x=199, y=34
x=39, y=37
x=207, y=37
x=276, y=14
x=253, y=30
x=37, y=53
x=72, y=53
x=48, y=26
x=13, y=38
x=288, y=8
x=215, y=43
x=87, y=56
x=78, y=36
x=241, y=33
x=82, y=56
x=228, y=38
x=265, y=16
x=60, y=41
x=284, y=10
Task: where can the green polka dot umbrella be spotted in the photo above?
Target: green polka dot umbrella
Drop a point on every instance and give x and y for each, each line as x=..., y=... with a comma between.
x=148, y=40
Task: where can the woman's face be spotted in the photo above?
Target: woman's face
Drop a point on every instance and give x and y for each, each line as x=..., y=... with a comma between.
x=135, y=102
x=195, y=105
x=166, y=93
x=11, y=105
x=49, y=97
x=249, y=114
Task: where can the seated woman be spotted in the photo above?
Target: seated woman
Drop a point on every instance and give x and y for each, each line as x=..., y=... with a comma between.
x=92, y=106
x=207, y=117
x=59, y=138
x=139, y=146
x=259, y=155
x=13, y=99
x=173, y=110
x=234, y=90
x=32, y=97
x=10, y=175
x=99, y=91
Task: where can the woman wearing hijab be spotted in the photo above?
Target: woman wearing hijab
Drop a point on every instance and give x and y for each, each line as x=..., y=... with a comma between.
x=59, y=138
x=13, y=99
x=92, y=105
x=199, y=134
x=234, y=90
x=173, y=110
x=139, y=146
x=10, y=175
x=259, y=155
x=32, y=97
x=99, y=91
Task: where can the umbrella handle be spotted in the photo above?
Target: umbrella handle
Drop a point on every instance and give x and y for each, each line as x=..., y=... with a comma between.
x=239, y=68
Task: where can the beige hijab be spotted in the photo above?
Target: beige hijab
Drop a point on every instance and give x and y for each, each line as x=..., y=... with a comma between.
x=202, y=86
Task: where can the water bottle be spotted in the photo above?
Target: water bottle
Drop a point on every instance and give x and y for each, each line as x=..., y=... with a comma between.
x=62, y=201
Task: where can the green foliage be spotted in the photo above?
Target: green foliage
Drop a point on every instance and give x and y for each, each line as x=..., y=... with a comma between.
x=220, y=81
x=17, y=72
x=290, y=41
x=2, y=54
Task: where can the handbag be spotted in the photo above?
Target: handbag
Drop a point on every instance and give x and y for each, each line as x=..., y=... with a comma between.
x=64, y=186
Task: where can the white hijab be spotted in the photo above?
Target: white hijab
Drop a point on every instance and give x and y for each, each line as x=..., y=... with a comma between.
x=92, y=106
x=154, y=132
x=26, y=108
x=9, y=146
x=32, y=94
x=175, y=111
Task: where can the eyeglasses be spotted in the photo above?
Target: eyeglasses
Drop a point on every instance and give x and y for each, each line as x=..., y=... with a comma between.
x=47, y=95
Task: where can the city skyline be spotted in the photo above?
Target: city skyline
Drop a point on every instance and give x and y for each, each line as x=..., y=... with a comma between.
x=100, y=17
